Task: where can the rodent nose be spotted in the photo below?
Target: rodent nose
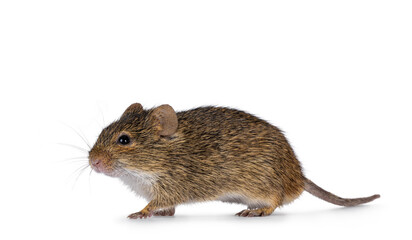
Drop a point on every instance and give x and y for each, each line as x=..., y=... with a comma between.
x=95, y=162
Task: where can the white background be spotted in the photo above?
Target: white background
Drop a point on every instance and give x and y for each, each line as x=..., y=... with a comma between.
x=334, y=75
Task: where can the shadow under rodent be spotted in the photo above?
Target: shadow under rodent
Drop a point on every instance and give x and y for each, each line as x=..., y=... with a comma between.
x=203, y=154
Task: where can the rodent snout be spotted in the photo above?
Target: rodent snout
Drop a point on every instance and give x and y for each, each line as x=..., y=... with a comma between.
x=95, y=162
x=100, y=162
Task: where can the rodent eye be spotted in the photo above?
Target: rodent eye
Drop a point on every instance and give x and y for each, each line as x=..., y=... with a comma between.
x=123, y=140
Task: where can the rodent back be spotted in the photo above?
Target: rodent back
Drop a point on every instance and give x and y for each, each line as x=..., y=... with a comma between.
x=238, y=148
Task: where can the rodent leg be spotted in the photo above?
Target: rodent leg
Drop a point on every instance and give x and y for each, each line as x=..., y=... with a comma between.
x=165, y=212
x=142, y=214
x=258, y=212
x=149, y=210
x=261, y=207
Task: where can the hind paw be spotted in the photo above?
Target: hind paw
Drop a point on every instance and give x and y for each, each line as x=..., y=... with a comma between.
x=165, y=212
x=259, y=212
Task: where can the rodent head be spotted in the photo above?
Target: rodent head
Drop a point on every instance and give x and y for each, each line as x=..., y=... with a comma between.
x=133, y=142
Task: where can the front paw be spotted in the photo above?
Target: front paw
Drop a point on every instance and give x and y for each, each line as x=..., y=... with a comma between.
x=141, y=214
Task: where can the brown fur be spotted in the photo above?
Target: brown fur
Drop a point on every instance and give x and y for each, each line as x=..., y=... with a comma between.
x=210, y=153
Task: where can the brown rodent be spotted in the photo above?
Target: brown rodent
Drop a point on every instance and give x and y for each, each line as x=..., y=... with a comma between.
x=204, y=154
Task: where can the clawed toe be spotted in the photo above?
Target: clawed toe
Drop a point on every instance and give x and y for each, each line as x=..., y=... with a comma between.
x=249, y=213
x=145, y=214
x=140, y=215
x=259, y=212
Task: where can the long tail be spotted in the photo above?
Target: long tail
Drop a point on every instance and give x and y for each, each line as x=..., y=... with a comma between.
x=315, y=190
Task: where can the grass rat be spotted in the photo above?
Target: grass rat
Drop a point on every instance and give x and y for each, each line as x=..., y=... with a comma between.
x=203, y=154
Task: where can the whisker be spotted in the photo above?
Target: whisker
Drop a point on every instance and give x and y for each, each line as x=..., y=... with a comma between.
x=71, y=160
x=75, y=159
x=90, y=186
x=80, y=135
x=101, y=112
x=79, y=173
x=78, y=170
x=98, y=123
x=82, y=157
x=73, y=146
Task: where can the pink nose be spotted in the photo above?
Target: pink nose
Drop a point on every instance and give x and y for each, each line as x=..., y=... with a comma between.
x=96, y=163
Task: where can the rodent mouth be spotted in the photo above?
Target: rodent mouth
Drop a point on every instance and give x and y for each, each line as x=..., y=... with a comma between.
x=99, y=168
x=105, y=170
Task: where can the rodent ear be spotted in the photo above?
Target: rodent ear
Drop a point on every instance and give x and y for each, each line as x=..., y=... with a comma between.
x=134, y=108
x=165, y=120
